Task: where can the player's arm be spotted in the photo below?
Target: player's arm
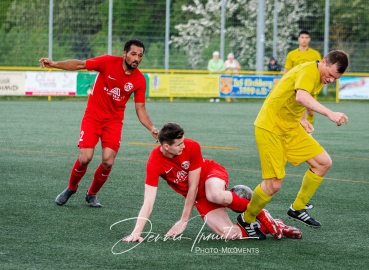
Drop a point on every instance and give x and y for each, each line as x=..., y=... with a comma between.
x=144, y=214
x=145, y=120
x=66, y=65
x=306, y=100
x=193, y=183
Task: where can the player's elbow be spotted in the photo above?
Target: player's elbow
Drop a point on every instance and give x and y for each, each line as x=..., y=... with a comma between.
x=300, y=96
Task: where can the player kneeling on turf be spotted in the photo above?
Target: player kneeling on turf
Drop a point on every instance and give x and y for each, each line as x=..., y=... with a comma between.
x=203, y=183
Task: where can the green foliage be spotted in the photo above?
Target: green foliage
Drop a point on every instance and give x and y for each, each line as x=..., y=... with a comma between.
x=4, y=5
x=78, y=21
x=80, y=29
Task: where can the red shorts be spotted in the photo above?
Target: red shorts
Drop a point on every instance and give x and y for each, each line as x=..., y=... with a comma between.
x=110, y=133
x=202, y=204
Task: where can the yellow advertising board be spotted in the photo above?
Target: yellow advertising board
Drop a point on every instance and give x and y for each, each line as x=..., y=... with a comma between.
x=183, y=85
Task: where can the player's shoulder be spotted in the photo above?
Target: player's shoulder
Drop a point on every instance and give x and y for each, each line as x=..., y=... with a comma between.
x=139, y=73
x=294, y=51
x=155, y=154
x=313, y=51
x=191, y=143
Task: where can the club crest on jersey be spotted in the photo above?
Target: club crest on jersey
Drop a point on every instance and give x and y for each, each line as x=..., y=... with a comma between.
x=128, y=87
x=185, y=165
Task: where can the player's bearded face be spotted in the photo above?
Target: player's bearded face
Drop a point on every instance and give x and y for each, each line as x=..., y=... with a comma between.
x=133, y=58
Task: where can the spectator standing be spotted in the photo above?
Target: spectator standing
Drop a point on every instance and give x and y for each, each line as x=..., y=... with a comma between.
x=232, y=64
x=273, y=65
x=215, y=65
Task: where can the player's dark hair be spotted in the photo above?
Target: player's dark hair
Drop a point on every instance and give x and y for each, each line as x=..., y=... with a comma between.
x=338, y=57
x=136, y=42
x=169, y=132
x=304, y=32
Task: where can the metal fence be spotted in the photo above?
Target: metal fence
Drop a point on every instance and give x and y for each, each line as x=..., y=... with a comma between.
x=80, y=29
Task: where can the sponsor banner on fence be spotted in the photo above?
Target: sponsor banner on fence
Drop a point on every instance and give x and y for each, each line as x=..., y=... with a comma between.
x=183, y=85
x=85, y=82
x=354, y=88
x=248, y=86
x=12, y=83
x=54, y=83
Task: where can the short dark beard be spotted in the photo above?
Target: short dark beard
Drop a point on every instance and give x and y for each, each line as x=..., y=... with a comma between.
x=128, y=65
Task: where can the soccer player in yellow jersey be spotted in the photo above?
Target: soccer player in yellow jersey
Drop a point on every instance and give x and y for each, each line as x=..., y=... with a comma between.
x=281, y=132
x=302, y=55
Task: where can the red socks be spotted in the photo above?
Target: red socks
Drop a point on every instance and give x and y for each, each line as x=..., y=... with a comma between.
x=238, y=204
x=100, y=176
x=78, y=171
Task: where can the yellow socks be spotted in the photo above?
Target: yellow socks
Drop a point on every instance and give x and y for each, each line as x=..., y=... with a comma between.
x=310, y=184
x=258, y=201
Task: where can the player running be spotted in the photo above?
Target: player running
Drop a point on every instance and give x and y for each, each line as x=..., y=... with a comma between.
x=281, y=133
x=117, y=79
x=203, y=183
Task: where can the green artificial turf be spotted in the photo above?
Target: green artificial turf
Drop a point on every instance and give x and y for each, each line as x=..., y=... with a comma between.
x=38, y=146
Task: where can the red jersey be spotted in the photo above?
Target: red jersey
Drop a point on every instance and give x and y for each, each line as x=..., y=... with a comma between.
x=113, y=88
x=175, y=170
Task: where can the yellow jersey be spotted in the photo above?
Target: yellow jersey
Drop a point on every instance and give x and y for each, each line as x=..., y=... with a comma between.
x=281, y=112
x=297, y=57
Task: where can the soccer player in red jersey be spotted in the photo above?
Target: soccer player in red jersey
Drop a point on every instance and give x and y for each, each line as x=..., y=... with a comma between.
x=203, y=183
x=118, y=77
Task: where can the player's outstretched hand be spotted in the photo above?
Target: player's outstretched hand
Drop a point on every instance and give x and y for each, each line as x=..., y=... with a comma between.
x=309, y=128
x=338, y=117
x=177, y=229
x=155, y=133
x=133, y=238
x=46, y=62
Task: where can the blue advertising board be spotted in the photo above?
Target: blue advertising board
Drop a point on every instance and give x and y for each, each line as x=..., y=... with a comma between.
x=247, y=86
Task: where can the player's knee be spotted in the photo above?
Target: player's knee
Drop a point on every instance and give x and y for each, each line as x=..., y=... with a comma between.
x=272, y=186
x=327, y=164
x=107, y=163
x=85, y=160
x=215, y=197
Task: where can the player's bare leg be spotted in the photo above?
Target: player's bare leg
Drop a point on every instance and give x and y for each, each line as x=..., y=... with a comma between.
x=220, y=223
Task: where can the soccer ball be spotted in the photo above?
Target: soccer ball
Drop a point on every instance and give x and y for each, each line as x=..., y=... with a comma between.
x=242, y=191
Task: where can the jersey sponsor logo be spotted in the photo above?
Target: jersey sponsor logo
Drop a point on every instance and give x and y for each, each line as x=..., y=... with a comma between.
x=111, y=78
x=185, y=165
x=182, y=176
x=115, y=93
x=128, y=87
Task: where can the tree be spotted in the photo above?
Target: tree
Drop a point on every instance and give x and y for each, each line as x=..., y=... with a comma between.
x=198, y=33
x=75, y=22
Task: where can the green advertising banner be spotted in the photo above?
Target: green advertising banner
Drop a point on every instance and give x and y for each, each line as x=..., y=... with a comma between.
x=85, y=81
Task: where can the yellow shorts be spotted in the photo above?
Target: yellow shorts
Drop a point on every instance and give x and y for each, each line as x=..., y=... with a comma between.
x=275, y=150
